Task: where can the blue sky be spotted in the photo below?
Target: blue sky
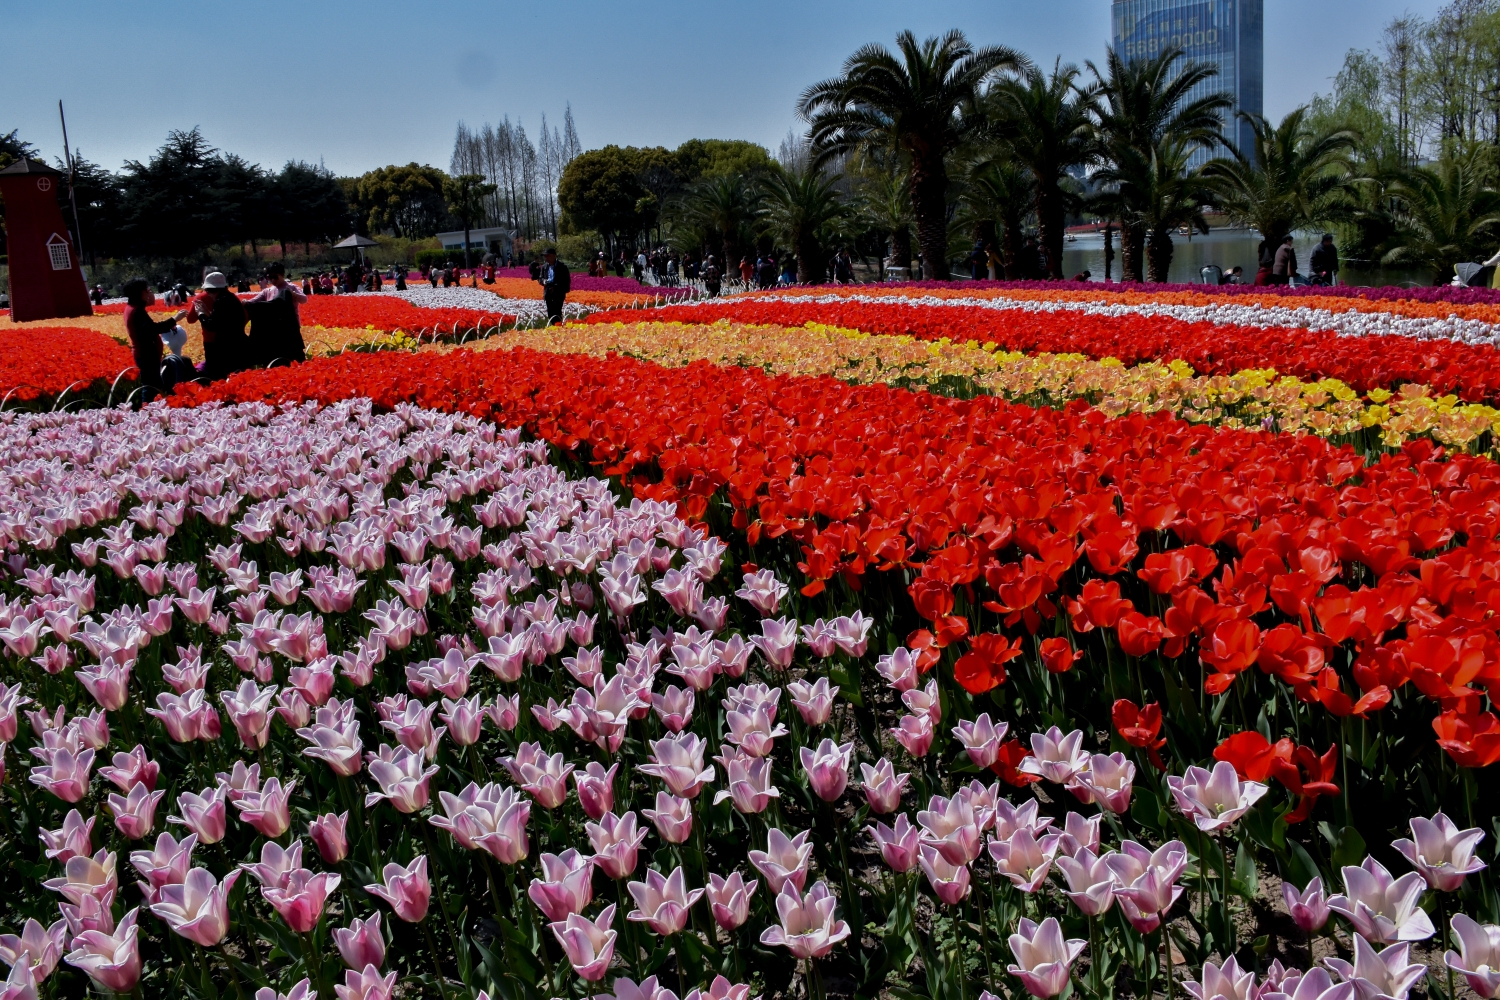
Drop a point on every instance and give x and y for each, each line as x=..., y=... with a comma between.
x=362, y=85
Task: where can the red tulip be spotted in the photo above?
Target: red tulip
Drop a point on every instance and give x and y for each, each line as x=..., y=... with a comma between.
x=933, y=598
x=1140, y=727
x=1231, y=649
x=1058, y=655
x=983, y=667
x=1012, y=752
x=1471, y=740
x=1138, y=634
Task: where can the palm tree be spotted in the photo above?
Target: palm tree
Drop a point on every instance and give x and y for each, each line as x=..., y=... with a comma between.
x=1000, y=189
x=884, y=205
x=920, y=101
x=1172, y=196
x=1292, y=178
x=1449, y=213
x=804, y=208
x=1141, y=103
x=1046, y=122
x=723, y=206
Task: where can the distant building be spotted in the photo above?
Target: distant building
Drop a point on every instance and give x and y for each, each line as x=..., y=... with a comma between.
x=1230, y=34
x=492, y=239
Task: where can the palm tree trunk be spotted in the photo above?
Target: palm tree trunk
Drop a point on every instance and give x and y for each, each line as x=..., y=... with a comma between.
x=1132, y=251
x=1159, y=254
x=929, y=203
x=731, y=266
x=1051, y=218
x=901, y=248
x=810, y=269
x=1011, y=242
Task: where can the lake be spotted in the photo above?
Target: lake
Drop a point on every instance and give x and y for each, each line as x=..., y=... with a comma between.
x=1226, y=248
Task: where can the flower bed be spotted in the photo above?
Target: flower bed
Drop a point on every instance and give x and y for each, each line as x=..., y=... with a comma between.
x=609, y=283
x=831, y=466
x=1364, y=363
x=1232, y=648
x=1255, y=397
x=418, y=561
x=45, y=361
x=1350, y=317
x=1382, y=293
x=388, y=312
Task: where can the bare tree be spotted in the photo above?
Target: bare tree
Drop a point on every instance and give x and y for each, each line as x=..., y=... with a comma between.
x=1399, y=45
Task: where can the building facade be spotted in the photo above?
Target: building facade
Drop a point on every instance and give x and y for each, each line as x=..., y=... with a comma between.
x=1229, y=34
x=494, y=239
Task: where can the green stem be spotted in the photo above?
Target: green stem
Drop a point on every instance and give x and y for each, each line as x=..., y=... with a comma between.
x=958, y=947
x=1224, y=901
x=437, y=966
x=1442, y=902
x=314, y=963
x=1094, y=955
x=437, y=889
x=1166, y=956
x=205, y=980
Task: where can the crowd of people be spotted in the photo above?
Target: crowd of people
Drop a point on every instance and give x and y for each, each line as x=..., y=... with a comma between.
x=263, y=330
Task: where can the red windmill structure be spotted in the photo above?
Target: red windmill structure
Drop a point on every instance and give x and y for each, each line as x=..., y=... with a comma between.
x=46, y=280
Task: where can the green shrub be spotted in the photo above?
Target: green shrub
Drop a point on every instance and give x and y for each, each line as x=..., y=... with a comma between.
x=438, y=258
x=578, y=248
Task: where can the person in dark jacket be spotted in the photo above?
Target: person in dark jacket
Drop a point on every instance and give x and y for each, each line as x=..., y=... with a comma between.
x=556, y=283
x=145, y=333
x=1285, y=266
x=275, y=327
x=713, y=278
x=1324, y=261
x=226, y=350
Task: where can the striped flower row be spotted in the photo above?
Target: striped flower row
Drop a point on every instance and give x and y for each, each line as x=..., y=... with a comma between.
x=1250, y=397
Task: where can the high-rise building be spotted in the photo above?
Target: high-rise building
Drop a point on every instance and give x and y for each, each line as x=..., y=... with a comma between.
x=1229, y=34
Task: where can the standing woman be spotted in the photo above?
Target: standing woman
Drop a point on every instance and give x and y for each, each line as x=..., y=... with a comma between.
x=225, y=347
x=145, y=333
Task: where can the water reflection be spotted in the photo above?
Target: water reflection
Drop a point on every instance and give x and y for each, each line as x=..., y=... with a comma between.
x=1227, y=248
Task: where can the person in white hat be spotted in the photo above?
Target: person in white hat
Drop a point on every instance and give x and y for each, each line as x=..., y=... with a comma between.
x=226, y=350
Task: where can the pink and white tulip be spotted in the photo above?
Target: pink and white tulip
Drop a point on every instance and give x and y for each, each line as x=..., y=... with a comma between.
x=1044, y=960
x=1442, y=852
x=361, y=943
x=662, y=902
x=981, y=739
x=407, y=889
x=785, y=860
x=807, y=928
x=1214, y=800
x=198, y=908
x=882, y=786
x=567, y=885
x=111, y=959
x=729, y=899
x=900, y=846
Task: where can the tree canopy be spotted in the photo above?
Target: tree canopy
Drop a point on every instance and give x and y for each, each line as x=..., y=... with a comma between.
x=407, y=200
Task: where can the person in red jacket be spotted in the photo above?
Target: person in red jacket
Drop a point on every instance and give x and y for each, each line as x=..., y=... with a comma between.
x=145, y=332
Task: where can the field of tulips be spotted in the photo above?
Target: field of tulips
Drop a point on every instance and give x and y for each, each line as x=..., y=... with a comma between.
x=1255, y=397
x=45, y=361
x=785, y=657
x=1364, y=362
